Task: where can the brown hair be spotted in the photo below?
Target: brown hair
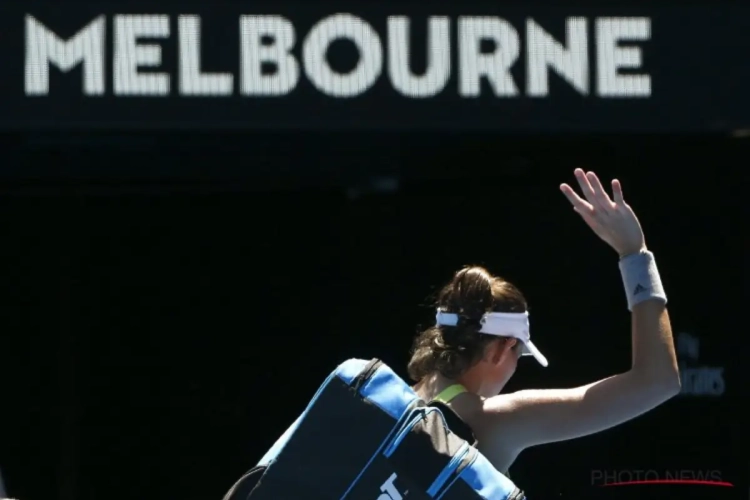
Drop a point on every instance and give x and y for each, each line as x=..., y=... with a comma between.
x=451, y=350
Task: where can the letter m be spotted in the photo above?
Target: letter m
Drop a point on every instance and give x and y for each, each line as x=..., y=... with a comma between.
x=44, y=47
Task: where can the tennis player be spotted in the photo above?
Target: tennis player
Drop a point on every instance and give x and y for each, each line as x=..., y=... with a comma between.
x=482, y=327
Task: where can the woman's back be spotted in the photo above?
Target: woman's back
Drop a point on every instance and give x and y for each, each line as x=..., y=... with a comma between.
x=464, y=416
x=482, y=328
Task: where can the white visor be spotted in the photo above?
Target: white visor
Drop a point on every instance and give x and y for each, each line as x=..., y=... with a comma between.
x=514, y=325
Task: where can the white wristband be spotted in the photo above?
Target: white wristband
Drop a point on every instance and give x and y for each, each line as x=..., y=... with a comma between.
x=641, y=279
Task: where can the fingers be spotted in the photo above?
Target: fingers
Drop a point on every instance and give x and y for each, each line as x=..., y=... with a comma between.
x=580, y=206
x=597, y=210
x=593, y=192
x=586, y=188
x=574, y=199
x=601, y=198
x=617, y=191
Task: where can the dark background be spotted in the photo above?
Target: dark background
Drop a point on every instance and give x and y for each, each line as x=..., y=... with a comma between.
x=160, y=332
x=171, y=300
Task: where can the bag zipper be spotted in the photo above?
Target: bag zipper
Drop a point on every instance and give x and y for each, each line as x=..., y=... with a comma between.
x=449, y=469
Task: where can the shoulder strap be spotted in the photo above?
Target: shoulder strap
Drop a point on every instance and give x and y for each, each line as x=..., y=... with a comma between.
x=446, y=395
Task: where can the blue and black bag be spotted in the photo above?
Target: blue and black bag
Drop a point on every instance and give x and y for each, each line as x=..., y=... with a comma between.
x=367, y=435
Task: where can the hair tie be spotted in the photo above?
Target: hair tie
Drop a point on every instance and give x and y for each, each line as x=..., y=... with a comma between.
x=465, y=321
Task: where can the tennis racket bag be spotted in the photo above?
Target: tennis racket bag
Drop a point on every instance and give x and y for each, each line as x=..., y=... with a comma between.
x=366, y=435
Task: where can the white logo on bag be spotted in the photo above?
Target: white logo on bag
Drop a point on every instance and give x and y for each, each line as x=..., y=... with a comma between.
x=389, y=489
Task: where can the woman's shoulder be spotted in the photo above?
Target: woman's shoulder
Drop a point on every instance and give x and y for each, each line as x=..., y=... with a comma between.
x=480, y=412
x=493, y=439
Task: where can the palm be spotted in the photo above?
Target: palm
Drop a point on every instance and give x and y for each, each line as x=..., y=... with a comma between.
x=611, y=219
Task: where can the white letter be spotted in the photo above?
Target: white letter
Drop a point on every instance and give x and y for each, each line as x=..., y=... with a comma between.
x=367, y=71
x=545, y=52
x=438, y=57
x=495, y=66
x=610, y=57
x=388, y=488
x=254, y=53
x=44, y=47
x=192, y=80
x=129, y=56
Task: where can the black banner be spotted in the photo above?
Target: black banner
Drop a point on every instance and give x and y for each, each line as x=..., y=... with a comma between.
x=284, y=65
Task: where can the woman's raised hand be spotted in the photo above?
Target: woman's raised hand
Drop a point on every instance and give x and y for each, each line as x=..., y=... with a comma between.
x=611, y=219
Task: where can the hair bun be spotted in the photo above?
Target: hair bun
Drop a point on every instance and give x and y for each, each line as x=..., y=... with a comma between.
x=469, y=294
x=471, y=274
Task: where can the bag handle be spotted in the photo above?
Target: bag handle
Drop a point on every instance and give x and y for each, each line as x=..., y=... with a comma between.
x=243, y=488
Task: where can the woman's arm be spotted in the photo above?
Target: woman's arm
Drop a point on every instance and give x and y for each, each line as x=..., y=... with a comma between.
x=527, y=418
